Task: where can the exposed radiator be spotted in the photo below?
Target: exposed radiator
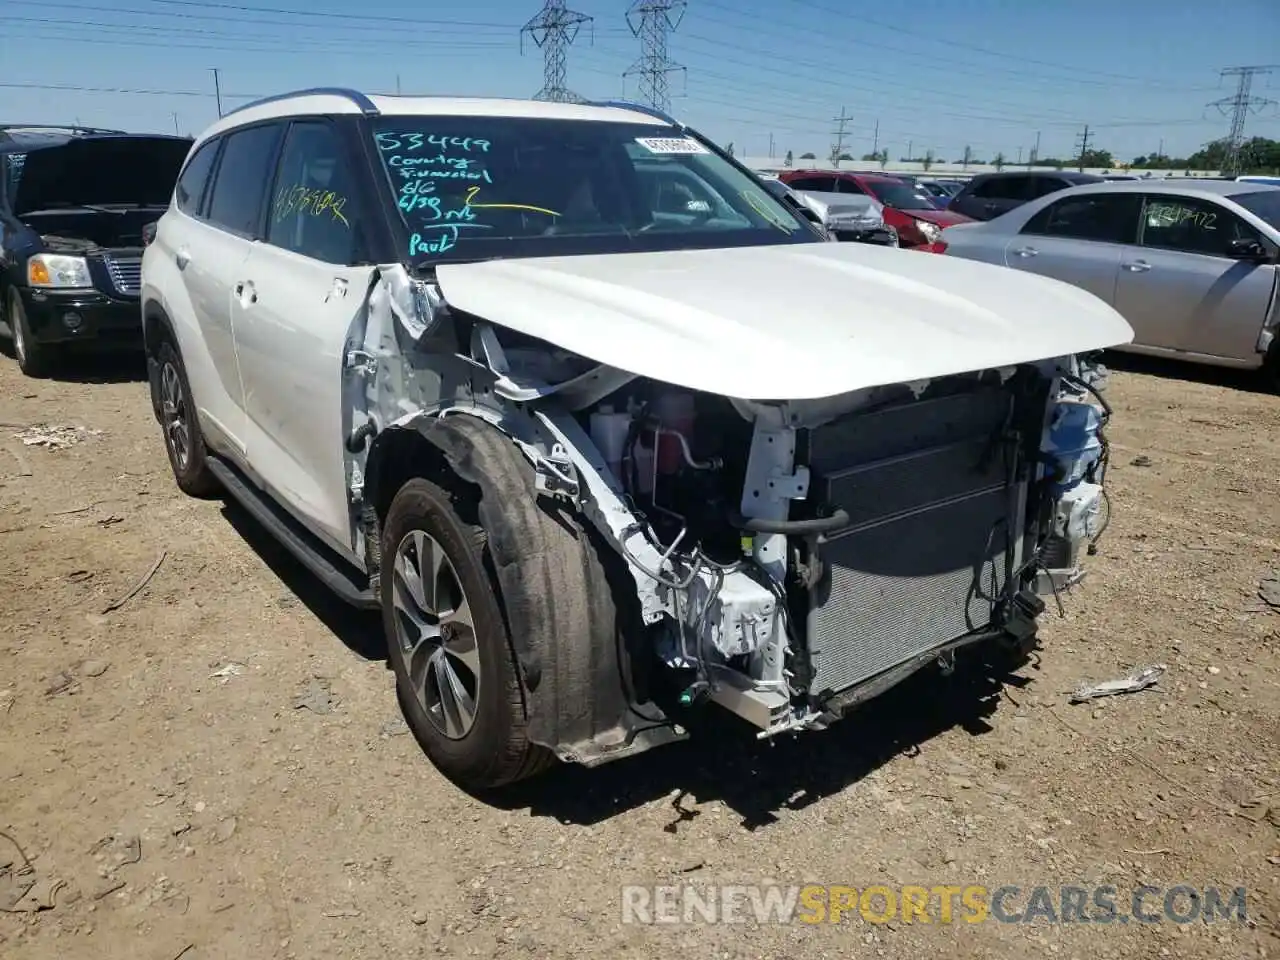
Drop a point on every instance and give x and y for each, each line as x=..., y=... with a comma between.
x=925, y=560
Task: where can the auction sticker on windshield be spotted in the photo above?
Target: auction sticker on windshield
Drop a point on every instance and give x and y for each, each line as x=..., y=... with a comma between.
x=671, y=145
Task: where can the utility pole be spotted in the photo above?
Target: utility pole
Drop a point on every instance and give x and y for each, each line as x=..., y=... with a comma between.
x=770, y=146
x=840, y=132
x=1160, y=150
x=397, y=84
x=217, y=90
x=175, y=125
x=553, y=30
x=910, y=150
x=875, y=140
x=651, y=20
x=1035, y=152
x=968, y=155
x=1241, y=105
x=1083, y=146
x=1019, y=156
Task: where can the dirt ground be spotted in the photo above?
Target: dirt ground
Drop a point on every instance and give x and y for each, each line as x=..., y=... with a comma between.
x=216, y=767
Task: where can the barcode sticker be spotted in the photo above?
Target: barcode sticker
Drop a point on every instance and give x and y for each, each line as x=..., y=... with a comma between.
x=671, y=145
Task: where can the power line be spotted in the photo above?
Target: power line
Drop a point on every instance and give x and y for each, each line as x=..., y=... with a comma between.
x=1242, y=104
x=553, y=30
x=650, y=20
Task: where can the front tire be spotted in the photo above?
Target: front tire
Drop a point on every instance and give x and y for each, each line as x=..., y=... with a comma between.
x=35, y=359
x=183, y=441
x=448, y=645
x=1271, y=367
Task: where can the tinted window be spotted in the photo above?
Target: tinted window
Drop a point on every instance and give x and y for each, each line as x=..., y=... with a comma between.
x=1104, y=217
x=1263, y=204
x=816, y=184
x=481, y=187
x=312, y=210
x=1002, y=188
x=243, y=175
x=1043, y=186
x=191, y=184
x=1191, y=225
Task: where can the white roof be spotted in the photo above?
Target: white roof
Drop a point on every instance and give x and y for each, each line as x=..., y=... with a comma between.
x=312, y=102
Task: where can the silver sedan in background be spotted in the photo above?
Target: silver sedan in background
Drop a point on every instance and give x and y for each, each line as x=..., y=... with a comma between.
x=1194, y=266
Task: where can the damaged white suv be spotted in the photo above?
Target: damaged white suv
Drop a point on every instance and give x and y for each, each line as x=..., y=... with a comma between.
x=610, y=435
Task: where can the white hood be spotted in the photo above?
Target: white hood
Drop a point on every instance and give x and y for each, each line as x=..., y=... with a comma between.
x=787, y=322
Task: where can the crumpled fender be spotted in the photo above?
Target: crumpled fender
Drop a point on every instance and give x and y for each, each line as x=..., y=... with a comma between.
x=561, y=592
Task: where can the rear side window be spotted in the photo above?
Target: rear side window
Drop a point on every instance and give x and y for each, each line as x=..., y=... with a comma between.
x=815, y=184
x=1003, y=188
x=1043, y=186
x=312, y=210
x=191, y=184
x=242, y=178
x=1106, y=218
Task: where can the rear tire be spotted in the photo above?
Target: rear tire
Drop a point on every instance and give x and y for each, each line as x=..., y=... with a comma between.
x=183, y=441
x=447, y=642
x=35, y=359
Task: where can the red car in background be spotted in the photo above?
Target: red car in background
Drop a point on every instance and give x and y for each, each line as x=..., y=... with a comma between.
x=918, y=222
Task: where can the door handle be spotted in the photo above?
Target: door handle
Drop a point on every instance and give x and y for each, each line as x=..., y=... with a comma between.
x=1027, y=252
x=182, y=256
x=246, y=293
x=1137, y=266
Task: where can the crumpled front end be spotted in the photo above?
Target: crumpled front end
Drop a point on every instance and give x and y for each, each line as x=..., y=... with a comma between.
x=781, y=559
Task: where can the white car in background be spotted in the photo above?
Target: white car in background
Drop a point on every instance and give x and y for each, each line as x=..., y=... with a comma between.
x=604, y=457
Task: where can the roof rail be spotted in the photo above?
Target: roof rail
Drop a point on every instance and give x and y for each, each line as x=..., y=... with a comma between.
x=53, y=127
x=638, y=108
x=366, y=105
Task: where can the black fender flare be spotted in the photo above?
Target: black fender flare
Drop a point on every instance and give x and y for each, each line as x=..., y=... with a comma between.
x=571, y=612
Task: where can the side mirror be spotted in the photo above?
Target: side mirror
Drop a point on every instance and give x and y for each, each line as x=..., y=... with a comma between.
x=1247, y=250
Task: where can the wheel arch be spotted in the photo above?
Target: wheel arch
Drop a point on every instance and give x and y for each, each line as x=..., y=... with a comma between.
x=569, y=603
x=157, y=328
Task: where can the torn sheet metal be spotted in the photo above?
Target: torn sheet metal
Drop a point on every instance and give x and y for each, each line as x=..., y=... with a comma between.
x=1138, y=680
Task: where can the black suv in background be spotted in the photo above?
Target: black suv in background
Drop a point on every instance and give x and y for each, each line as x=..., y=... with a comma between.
x=73, y=205
x=988, y=195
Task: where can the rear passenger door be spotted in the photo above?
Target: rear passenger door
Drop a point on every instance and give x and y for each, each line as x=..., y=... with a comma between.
x=215, y=237
x=1079, y=240
x=295, y=301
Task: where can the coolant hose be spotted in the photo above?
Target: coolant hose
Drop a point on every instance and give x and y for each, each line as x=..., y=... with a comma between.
x=837, y=521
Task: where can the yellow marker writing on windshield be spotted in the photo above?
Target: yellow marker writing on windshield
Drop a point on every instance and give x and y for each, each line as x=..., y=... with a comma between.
x=472, y=191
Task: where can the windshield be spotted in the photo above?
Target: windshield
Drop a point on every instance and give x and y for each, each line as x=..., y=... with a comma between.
x=484, y=187
x=901, y=196
x=1263, y=204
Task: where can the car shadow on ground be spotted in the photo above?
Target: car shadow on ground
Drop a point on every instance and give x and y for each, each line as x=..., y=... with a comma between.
x=723, y=760
x=359, y=630
x=91, y=367
x=1246, y=381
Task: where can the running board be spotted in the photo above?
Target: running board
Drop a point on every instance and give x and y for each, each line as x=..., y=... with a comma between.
x=344, y=580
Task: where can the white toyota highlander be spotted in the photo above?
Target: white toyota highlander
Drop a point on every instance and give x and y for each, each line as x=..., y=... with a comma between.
x=610, y=435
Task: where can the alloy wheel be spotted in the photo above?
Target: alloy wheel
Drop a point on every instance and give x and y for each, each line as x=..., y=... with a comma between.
x=436, y=633
x=174, y=414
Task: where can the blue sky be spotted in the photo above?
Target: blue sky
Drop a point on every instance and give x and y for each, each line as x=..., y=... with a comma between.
x=934, y=74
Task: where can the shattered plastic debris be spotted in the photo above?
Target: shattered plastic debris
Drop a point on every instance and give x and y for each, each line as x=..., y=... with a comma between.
x=1138, y=680
x=55, y=436
x=1269, y=589
x=225, y=673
